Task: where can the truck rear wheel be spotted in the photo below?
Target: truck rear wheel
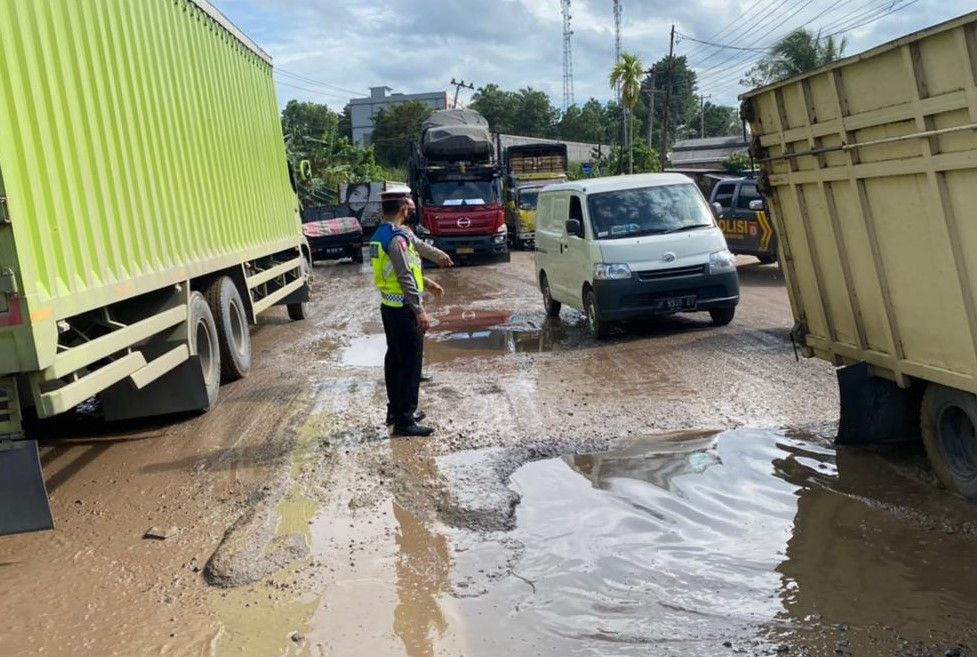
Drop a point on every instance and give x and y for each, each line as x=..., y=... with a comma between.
x=949, y=418
x=205, y=345
x=233, y=333
x=299, y=311
x=767, y=258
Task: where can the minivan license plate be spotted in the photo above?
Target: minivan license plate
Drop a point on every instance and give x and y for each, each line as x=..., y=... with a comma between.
x=676, y=303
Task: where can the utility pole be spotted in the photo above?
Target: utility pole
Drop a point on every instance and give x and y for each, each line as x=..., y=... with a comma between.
x=651, y=107
x=458, y=87
x=668, y=95
x=702, y=116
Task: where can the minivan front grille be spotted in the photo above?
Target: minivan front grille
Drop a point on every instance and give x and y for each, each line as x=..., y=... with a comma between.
x=677, y=272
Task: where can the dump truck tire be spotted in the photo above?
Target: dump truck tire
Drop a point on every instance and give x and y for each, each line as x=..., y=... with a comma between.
x=205, y=345
x=949, y=418
x=233, y=333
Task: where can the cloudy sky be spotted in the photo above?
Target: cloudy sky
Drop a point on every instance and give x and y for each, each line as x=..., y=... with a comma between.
x=331, y=50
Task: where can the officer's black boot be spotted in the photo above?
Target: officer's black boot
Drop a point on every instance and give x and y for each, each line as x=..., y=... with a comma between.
x=413, y=430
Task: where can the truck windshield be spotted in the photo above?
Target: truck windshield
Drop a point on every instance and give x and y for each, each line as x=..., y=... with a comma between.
x=461, y=192
x=648, y=211
x=528, y=199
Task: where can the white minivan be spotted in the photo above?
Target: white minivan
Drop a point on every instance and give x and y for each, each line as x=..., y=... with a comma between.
x=632, y=246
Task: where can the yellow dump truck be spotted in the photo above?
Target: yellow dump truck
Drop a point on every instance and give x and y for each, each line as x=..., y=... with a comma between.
x=870, y=168
x=146, y=216
x=528, y=169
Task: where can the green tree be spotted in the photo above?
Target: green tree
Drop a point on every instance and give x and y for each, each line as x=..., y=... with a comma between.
x=626, y=75
x=308, y=119
x=345, y=127
x=799, y=52
x=640, y=158
x=683, y=104
x=395, y=128
x=737, y=163
x=590, y=123
x=499, y=107
x=720, y=121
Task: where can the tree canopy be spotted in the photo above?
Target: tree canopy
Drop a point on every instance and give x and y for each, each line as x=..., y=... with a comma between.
x=394, y=128
x=799, y=52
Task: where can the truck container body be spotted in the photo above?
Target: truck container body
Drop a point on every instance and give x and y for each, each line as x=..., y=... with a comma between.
x=142, y=166
x=457, y=183
x=528, y=169
x=870, y=166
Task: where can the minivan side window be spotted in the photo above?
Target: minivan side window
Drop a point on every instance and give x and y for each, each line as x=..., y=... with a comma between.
x=576, y=210
x=748, y=192
x=724, y=195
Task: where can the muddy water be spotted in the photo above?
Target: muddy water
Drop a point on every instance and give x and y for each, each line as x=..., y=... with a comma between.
x=760, y=540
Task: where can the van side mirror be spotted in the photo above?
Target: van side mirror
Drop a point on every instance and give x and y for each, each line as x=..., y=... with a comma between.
x=717, y=209
x=756, y=205
x=574, y=227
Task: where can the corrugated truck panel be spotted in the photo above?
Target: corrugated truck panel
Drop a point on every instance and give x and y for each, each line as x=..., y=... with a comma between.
x=139, y=145
x=871, y=165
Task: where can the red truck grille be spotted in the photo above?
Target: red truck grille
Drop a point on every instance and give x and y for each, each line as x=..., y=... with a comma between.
x=475, y=222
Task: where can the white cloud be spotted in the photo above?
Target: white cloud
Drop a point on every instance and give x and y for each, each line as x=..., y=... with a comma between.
x=420, y=45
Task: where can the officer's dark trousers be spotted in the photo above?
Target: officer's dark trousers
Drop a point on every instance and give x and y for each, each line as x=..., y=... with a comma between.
x=402, y=365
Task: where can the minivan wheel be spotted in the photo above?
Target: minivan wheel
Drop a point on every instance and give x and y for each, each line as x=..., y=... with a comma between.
x=722, y=316
x=767, y=258
x=949, y=418
x=552, y=307
x=598, y=329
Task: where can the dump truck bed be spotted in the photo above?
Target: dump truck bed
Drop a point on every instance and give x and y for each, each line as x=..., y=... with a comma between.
x=870, y=165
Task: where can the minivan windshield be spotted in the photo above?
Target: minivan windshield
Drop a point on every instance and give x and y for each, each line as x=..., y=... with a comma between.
x=648, y=211
x=461, y=192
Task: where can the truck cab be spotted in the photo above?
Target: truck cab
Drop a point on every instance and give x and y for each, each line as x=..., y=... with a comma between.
x=529, y=168
x=742, y=216
x=462, y=214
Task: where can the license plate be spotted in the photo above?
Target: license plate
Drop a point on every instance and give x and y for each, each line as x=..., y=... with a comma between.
x=676, y=303
x=466, y=250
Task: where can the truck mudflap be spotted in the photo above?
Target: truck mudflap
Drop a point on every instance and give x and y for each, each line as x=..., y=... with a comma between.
x=23, y=497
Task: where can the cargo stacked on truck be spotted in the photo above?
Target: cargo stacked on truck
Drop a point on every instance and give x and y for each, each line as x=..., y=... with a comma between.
x=147, y=217
x=528, y=169
x=870, y=168
x=457, y=182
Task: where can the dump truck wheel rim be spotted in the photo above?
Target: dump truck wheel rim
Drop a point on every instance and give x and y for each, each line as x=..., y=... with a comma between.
x=958, y=440
x=204, y=348
x=237, y=327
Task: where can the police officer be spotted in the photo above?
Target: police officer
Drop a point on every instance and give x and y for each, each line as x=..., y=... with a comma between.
x=395, y=253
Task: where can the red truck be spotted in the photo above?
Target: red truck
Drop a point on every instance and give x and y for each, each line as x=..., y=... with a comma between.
x=457, y=183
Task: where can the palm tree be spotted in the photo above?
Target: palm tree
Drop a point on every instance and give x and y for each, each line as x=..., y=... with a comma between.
x=627, y=74
x=798, y=52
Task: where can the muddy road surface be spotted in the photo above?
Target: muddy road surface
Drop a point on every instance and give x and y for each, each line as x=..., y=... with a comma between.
x=671, y=491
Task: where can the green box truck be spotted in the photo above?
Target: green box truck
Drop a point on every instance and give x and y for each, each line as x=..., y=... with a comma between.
x=147, y=216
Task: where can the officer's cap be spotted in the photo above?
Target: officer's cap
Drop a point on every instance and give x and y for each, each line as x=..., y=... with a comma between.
x=394, y=192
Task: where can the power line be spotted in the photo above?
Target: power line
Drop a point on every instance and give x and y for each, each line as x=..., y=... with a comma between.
x=686, y=37
x=319, y=83
x=743, y=32
x=313, y=91
x=736, y=20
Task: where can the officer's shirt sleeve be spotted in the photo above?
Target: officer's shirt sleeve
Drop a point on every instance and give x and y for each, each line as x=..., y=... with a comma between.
x=425, y=250
x=398, y=259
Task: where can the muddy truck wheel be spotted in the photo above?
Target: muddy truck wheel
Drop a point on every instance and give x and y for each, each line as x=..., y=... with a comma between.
x=949, y=419
x=300, y=311
x=205, y=345
x=233, y=333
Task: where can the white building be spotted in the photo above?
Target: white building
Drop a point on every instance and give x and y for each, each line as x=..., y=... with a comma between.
x=362, y=110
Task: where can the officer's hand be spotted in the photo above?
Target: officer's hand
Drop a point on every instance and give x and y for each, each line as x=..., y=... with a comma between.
x=423, y=322
x=436, y=289
x=445, y=260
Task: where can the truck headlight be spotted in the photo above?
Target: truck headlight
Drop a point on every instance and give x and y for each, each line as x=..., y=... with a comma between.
x=499, y=239
x=721, y=262
x=611, y=272
x=502, y=229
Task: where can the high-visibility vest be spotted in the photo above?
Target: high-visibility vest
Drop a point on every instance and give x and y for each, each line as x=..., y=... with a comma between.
x=384, y=276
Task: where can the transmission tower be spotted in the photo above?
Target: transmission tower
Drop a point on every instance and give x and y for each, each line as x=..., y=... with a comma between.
x=618, y=9
x=567, y=55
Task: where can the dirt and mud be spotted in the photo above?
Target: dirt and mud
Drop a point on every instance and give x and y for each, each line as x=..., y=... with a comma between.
x=671, y=491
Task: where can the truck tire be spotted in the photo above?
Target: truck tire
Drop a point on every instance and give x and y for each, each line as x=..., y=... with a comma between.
x=722, y=316
x=949, y=418
x=233, y=332
x=767, y=258
x=205, y=345
x=599, y=329
x=299, y=311
x=551, y=305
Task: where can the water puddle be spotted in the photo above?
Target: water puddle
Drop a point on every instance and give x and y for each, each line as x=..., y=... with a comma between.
x=753, y=542
x=466, y=333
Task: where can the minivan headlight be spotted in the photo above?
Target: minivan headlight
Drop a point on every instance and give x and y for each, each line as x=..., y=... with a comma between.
x=721, y=262
x=611, y=272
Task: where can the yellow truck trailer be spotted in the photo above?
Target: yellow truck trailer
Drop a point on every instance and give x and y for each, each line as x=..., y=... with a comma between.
x=870, y=167
x=146, y=216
